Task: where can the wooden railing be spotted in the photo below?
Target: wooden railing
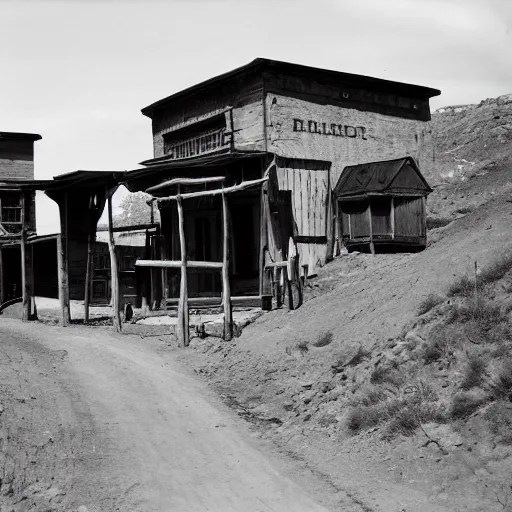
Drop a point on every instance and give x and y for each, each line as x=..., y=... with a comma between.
x=202, y=144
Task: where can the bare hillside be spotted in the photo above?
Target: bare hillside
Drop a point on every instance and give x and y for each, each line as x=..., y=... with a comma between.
x=391, y=380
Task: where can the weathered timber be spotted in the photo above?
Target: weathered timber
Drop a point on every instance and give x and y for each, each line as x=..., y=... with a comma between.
x=2, y=282
x=114, y=270
x=183, y=324
x=184, y=181
x=88, y=275
x=212, y=265
x=134, y=227
x=226, y=290
x=204, y=193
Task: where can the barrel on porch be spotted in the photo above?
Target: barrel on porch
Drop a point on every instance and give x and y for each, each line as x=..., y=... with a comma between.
x=382, y=204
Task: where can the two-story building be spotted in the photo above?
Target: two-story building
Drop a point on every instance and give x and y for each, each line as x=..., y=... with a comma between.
x=297, y=126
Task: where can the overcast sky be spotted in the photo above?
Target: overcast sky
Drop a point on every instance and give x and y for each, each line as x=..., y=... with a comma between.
x=78, y=72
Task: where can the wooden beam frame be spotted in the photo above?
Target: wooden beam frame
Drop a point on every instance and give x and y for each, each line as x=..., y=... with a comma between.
x=219, y=191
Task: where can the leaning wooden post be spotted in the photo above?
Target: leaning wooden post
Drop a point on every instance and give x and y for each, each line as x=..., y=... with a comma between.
x=226, y=290
x=2, y=290
x=182, y=330
x=88, y=276
x=114, y=274
x=27, y=273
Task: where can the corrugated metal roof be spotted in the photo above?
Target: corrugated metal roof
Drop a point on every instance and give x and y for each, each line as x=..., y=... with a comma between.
x=374, y=177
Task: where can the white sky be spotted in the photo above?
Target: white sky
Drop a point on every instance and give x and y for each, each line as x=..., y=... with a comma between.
x=78, y=72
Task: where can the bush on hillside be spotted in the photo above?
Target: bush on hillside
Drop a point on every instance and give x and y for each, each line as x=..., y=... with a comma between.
x=428, y=303
x=437, y=222
x=500, y=386
x=463, y=287
x=359, y=356
x=464, y=405
x=474, y=372
x=496, y=269
x=323, y=339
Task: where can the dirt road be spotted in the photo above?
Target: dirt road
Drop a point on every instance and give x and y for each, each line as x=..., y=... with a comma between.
x=97, y=422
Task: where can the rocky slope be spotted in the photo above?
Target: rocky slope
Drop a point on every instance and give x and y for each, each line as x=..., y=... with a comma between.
x=391, y=381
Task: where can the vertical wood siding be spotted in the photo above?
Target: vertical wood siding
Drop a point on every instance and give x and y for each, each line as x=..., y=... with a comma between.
x=309, y=189
x=409, y=215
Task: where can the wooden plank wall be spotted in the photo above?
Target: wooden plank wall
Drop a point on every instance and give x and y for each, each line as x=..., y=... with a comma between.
x=409, y=213
x=309, y=195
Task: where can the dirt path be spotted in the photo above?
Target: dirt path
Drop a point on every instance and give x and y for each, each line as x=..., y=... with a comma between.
x=97, y=422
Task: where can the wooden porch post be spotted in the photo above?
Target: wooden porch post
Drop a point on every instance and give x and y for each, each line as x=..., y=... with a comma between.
x=226, y=290
x=182, y=329
x=370, y=227
x=88, y=275
x=27, y=271
x=114, y=272
x=2, y=287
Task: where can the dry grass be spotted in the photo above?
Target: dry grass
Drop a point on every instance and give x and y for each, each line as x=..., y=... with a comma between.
x=474, y=372
x=497, y=269
x=359, y=356
x=463, y=405
x=437, y=222
x=462, y=287
x=500, y=385
x=428, y=303
x=323, y=340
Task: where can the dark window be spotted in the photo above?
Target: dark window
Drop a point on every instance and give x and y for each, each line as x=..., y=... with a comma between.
x=11, y=212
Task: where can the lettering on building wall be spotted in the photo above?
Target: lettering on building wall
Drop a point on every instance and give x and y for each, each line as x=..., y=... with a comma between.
x=337, y=130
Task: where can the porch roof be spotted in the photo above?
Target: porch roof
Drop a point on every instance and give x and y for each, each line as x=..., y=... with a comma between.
x=160, y=169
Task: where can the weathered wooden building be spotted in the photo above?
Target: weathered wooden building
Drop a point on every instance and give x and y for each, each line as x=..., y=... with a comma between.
x=293, y=127
x=17, y=208
x=382, y=204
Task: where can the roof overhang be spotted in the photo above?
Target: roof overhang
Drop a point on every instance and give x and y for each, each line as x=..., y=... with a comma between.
x=260, y=65
x=20, y=136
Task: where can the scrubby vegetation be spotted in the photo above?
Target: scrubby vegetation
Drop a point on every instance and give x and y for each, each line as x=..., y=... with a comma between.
x=437, y=222
x=323, y=339
x=430, y=302
x=470, y=339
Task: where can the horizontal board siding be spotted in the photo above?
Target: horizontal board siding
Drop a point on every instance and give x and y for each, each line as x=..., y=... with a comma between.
x=409, y=217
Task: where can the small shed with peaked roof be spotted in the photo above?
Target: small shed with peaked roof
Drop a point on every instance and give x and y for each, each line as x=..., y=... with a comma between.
x=382, y=203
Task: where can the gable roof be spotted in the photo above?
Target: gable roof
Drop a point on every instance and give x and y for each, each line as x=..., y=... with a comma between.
x=260, y=65
x=378, y=178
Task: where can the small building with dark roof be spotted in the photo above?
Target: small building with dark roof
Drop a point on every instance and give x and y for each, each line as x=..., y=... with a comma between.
x=382, y=204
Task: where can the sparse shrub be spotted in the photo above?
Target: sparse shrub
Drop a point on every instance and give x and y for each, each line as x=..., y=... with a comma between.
x=463, y=405
x=359, y=356
x=500, y=385
x=499, y=418
x=486, y=314
x=303, y=347
x=428, y=303
x=379, y=374
x=364, y=417
x=437, y=222
x=474, y=372
x=434, y=351
x=496, y=269
x=463, y=210
x=463, y=286
x=405, y=422
x=372, y=397
x=323, y=339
